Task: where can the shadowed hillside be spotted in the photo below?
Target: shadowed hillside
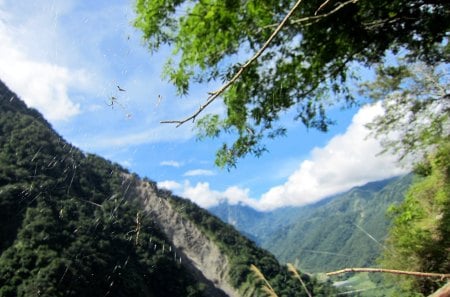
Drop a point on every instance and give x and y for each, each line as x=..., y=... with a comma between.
x=75, y=224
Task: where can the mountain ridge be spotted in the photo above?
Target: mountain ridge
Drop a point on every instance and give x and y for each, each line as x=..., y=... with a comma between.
x=294, y=233
x=75, y=224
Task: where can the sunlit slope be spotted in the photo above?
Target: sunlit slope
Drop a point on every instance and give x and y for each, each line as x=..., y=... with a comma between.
x=346, y=230
x=74, y=224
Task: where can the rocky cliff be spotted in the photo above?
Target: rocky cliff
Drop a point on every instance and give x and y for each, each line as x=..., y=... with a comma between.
x=193, y=248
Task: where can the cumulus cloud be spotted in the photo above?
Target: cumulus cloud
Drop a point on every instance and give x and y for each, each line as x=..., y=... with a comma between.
x=235, y=195
x=202, y=194
x=346, y=161
x=169, y=185
x=199, y=172
x=41, y=84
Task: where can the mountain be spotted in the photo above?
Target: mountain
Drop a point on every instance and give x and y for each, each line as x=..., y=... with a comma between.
x=75, y=224
x=345, y=230
x=257, y=225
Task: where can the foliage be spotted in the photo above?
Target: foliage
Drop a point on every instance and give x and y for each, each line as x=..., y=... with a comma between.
x=420, y=236
x=416, y=102
x=305, y=64
x=416, y=124
x=66, y=225
x=70, y=226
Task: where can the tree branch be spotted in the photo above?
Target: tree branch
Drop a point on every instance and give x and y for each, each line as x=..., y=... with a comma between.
x=219, y=91
x=214, y=95
x=392, y=271
x=317, y=18
x=321, y=6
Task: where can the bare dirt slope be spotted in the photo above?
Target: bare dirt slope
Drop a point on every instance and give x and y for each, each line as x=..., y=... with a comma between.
x=196, y=251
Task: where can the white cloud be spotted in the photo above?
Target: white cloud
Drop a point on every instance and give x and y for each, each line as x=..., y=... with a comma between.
x=40, y=83
x=199, y=172
x=348, y=160
x=235, y=195
x=202, y=194
x=169, y=185
x=170, y=163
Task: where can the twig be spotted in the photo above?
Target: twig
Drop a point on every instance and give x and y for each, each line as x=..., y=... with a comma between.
x=316, y=18
x=321, y=6
x=138, y=227
x=219, y=91
x=90, y=202
x=392, y=271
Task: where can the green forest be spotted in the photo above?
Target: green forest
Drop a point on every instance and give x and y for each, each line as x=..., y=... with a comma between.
x=303, y=58
x=73, y=223
x=70, y=225
x=66, y=227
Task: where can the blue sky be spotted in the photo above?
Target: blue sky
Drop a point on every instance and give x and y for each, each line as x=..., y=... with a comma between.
x=66, y=59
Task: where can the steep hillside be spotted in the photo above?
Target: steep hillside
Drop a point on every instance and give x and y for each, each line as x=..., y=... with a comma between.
x=347, y=232
x=341, y=231
x=74, y=224
x=66, y=228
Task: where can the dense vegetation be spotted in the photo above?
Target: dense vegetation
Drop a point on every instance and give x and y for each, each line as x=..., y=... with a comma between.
x=339, y=232
x=416, y=124
x=347, y=232
x=303, y=56
x=420, y=237
x=66, y=228
x=70, y=226
x=298, y=56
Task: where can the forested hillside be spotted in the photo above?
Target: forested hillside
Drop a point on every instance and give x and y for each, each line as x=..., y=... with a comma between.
x=74, y=224
x=346, y=230
x=349, y=231
x=65, y=227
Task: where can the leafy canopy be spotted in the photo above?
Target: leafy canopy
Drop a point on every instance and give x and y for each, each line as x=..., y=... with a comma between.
x=305, y=63
x=416, y=123
x=420, y=235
